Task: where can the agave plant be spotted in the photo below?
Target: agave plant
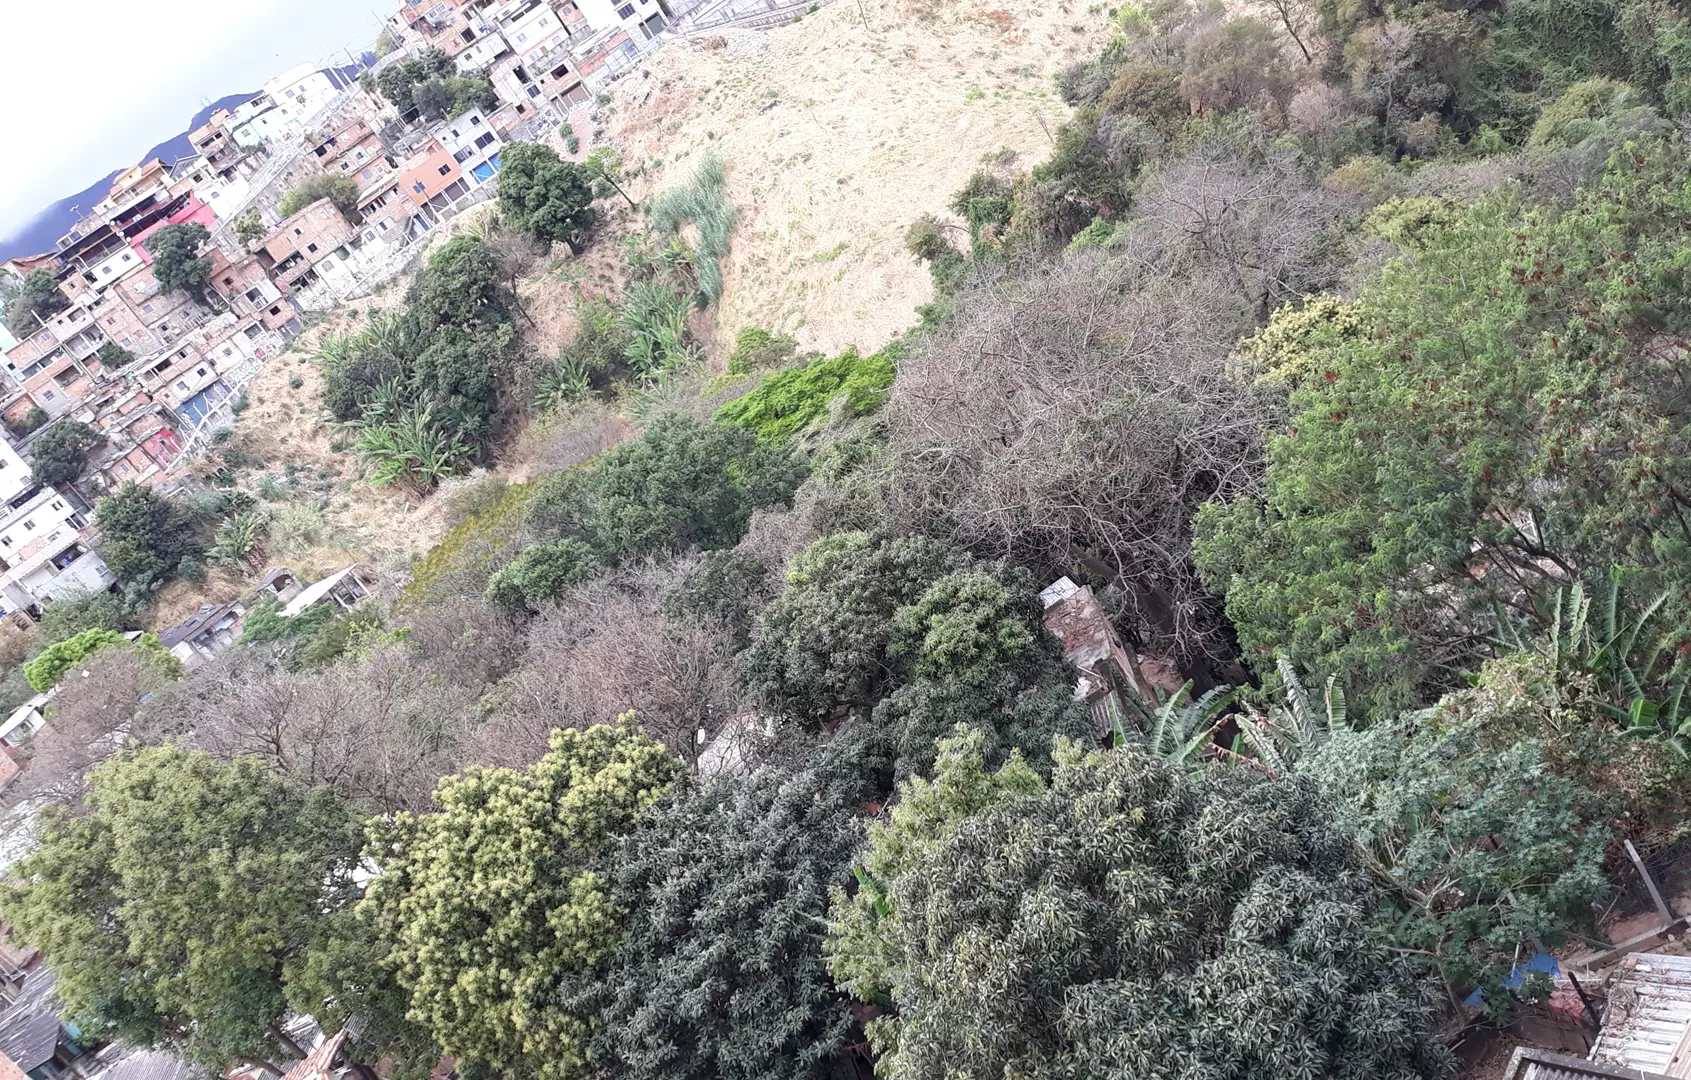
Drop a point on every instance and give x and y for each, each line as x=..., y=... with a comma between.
x=1644, y=683
x=1179, y=728
x=565, y=380
x=1290, y=731
x=412, y=449
x=655, y=316
x=237, y=539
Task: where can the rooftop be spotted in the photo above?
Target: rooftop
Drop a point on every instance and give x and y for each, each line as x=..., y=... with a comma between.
x=315, y=593
x=1529, y=1064
x=148, y=1065
x=1648, y=1015
x=29, y=1026
x=206, y=618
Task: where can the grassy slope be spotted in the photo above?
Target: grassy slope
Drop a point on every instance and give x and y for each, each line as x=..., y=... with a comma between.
x=838, y=134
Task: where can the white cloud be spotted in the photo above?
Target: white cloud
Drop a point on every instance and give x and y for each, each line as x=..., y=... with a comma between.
x=91, y=85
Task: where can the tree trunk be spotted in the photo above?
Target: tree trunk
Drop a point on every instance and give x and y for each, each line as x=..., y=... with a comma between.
x=257, y=1063
x=287, y=1043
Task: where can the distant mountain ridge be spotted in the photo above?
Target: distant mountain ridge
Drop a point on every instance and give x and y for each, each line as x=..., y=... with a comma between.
x=44, y=230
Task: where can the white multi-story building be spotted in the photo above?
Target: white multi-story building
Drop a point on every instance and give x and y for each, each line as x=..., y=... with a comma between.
x=283, y=107
x=44, y=550
x=642, y=19
x=473, y=144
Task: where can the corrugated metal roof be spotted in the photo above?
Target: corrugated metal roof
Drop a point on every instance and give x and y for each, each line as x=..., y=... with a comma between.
x=1531, y=1064
x=29, y=1026
x=319, y=1064
x=315, y=593
x=148, y=1065
x=1648, y=1014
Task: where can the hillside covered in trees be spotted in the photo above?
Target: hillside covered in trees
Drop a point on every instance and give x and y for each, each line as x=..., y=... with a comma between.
x=1339, y=347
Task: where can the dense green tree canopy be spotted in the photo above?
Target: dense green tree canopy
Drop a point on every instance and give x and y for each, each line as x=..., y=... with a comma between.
x=172, y=905
x=37, y=297
x=176, y=257
x=822, y=644
x=145, y=535
x=460, y=286
x=684, y=484
x=543, y=195
x=721, y=971
x=1124, y=921
x=1509, y=421
x=540, y=575
x=59, y=454
x=498, y=904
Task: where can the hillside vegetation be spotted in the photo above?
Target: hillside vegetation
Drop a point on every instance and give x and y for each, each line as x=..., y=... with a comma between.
x=1340, y=349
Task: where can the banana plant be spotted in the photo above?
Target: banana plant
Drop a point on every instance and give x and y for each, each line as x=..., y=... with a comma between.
x=1287, y=732
x=1179, y=729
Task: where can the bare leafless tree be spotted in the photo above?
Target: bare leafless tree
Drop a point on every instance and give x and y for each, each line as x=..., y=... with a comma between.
x=1074, y=416
x=1256, y=223
x=609, y=649
x=1298, y=18
x=380, y=728
x=465, y=641
x=97, y=710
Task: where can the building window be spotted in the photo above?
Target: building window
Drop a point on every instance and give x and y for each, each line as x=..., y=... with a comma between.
x=181, y=384
x=253, y=331
x=126, y=256
x=277, y=310
x=228, y=281
x=29, y=526
x=57, y=505
x=475, y=121
x=626, y=11
x=312, y=248
x=485, y=140
x=462, y=156
x=521, y=38
x=446, y=170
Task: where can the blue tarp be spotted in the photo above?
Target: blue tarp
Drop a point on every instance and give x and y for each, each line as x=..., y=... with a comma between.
x=1543, y=962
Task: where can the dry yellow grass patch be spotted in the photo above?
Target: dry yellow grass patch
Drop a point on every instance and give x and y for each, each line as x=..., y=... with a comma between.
x=840, y=130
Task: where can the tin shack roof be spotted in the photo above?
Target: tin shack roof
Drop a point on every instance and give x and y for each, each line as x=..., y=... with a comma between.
x=1648, y=1015
x=1530, y=1064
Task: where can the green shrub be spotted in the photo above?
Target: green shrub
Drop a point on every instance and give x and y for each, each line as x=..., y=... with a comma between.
x=70, y=615
x=341, y=191
x=541, y=575
x=792, y=400
x=758, y=348
x=49, y=667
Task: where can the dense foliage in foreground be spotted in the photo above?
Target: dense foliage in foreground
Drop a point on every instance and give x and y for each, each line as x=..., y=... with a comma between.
x=1343, y=347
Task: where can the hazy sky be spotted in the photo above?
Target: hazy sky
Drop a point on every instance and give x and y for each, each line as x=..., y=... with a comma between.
x=91, y=85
